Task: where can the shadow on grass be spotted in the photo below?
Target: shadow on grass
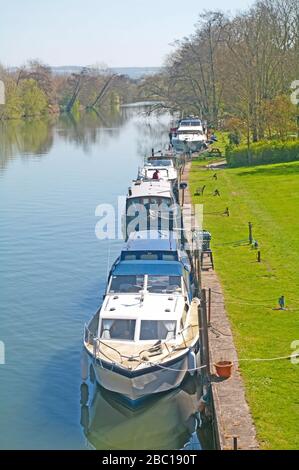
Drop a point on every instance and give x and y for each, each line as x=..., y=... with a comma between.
x=291, y=168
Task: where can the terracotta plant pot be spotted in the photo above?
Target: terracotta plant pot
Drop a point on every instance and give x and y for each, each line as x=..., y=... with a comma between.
x=224, y=368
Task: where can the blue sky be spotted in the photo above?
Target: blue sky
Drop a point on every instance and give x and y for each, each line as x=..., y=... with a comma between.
x=84, y=32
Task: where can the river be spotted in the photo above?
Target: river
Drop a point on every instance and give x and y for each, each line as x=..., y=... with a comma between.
x=53, y=269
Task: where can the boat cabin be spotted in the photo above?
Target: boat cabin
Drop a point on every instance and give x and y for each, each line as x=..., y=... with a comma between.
x=145, y=301
x=151, y=205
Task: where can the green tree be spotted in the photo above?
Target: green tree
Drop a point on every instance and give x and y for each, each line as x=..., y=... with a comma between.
x=34, y=101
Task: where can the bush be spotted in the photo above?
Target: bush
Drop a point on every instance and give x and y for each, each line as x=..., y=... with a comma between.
x=261, y=153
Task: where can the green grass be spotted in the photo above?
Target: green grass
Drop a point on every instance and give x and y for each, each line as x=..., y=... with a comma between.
x=267, y=196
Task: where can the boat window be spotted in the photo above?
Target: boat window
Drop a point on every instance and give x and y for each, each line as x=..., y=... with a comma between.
x=148, y=201
x=160, y=163
x=190, y=123
x=144, y=255
x=169, y=257
x=126, y=284
x=149, y=256
x=118, y=329
x=184, y=316
x=186, y=275
x=157, y=330
x=129, y=257
x=164, y=284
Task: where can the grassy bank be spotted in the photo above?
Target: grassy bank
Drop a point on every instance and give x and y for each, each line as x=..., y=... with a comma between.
x=268, y=197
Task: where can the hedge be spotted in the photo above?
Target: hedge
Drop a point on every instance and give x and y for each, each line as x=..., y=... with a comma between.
x=261, y=153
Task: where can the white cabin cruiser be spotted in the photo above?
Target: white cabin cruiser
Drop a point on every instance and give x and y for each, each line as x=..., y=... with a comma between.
x=145, y=336
x=190, y=135
x=165, y=167
x=151, y=204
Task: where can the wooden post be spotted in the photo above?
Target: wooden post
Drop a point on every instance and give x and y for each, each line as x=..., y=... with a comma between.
x=209, y=306
x=250, y=233
x=204, y=332
x=259, y=256
x=198, y=268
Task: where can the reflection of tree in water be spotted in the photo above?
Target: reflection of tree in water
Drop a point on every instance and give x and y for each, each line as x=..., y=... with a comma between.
x=86, y=129
x=153, y=133
x=25, y=137
x=35, y=137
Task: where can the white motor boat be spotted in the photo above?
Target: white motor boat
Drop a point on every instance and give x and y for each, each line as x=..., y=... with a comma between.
x=145, y=337
x=165, y=167
x=151, y=204
x=190, y=135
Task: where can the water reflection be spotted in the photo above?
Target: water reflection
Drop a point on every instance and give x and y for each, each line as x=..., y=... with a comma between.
x=36, y=137
x=169, y=421
x=87, y=129
x=25, y=137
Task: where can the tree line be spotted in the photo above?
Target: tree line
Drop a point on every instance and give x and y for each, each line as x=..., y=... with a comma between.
x=33, y=90
x=236, y=71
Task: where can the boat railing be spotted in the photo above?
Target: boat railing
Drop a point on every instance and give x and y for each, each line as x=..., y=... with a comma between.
x=91, y=339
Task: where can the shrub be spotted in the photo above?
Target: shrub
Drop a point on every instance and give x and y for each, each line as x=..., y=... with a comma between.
x=261, y=153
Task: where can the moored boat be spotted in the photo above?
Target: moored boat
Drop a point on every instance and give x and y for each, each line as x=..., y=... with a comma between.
x=190, y=135
x=145, y=336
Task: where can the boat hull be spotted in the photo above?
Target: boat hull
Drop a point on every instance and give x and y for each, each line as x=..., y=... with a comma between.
x=184, y=146
x=139, y=384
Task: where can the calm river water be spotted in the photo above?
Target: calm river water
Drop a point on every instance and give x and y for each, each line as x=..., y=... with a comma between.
x=52, y=276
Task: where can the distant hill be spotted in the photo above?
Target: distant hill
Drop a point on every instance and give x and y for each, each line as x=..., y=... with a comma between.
x=132, y=72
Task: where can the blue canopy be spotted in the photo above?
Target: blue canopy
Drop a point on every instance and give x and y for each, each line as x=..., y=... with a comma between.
x=137, y=267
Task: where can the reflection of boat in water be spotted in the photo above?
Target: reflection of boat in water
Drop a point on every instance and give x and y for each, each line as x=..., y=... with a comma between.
x=165, y=422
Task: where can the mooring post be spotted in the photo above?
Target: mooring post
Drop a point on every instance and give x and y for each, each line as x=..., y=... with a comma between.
x=198, y=267
x=209, y=306
x=205, y=334
x=250, y=233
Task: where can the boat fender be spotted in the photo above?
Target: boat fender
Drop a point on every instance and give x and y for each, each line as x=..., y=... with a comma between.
x=191, y=362
x=84, y=365
x=84, y=393
x=84, y=421
x=92, y=374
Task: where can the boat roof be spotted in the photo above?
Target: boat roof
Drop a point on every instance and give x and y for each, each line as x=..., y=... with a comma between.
x=151, y=240
x=153, y=268
x=160, y=188
x=151, y=307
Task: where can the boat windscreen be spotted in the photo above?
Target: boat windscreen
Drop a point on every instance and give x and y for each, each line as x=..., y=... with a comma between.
x=157, y=329
x=155, y=163
x=126, y=284
x=164, y=284
x=150, y=255
x=118, y=329
x=187, y=122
